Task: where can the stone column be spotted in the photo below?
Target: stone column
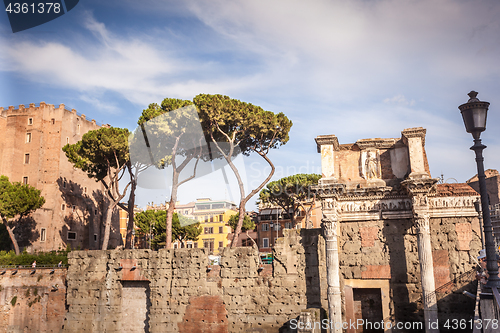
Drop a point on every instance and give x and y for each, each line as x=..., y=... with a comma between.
x=329, y=227
x=418, y=190
x=414, y=138
x=327, y=144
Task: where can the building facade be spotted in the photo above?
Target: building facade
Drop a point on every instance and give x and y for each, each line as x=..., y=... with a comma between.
x=214, y=217
x=493, y=190
x=397, y=242
x=31, y=138
x=272, y=220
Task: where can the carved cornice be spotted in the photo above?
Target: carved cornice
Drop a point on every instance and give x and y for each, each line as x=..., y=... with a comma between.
x=416, y=132
x=370, y=193
x=327, y=140
x=419, y=185
x=331, y=206
x=376, y=143
x=329, y=190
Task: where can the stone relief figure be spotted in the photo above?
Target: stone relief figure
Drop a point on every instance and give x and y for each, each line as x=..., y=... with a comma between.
x=370, y=165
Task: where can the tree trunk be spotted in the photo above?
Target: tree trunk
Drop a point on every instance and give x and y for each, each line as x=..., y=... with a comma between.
x=241, y=211
x=107, y=229
x=253, y=241
x=12, y=237
x=244, y=200
x=130, y=223
x=170, y=215
x=171, y=205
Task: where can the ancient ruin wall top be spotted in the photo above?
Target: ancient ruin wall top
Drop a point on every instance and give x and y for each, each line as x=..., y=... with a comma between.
x=375, y=162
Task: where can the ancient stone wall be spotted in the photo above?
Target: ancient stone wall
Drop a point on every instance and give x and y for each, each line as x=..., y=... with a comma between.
x=32, y=301
x=176, y=290
x=387, y=251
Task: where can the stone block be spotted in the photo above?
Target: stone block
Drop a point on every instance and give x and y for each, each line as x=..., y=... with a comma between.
x=376, y=272
x=368, y=236
x=464, y=236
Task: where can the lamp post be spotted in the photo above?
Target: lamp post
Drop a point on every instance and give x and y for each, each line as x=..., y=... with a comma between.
x=474, y=115
x=477, y=206
x=271, y=225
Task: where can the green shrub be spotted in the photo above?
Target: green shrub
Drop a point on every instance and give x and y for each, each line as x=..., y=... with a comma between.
x=26, y=259
x=13, y=300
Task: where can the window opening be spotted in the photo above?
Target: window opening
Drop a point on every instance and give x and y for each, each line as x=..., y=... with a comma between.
x=43, y=234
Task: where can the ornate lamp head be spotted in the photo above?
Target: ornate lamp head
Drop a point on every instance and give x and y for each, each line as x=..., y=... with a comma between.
x=474, y=114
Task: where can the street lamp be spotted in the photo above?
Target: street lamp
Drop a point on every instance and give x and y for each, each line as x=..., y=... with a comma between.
x=477, y=206
x=271, y=225
x=474, y=115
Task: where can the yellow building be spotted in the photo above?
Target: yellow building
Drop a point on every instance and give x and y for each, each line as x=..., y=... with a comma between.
x=213, y=217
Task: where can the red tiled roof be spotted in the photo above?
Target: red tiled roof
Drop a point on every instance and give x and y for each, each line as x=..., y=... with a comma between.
x=459, y=189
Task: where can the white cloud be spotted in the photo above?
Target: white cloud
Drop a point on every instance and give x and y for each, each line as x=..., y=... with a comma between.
x=399, y=100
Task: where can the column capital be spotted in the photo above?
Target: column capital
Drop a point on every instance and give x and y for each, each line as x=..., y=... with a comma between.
x=422, y=224
x=327, y=140
x=329, y=226
x=416, y=132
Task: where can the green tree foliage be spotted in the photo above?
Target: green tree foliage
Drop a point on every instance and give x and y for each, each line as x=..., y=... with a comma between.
x=231, y=124
x=175, y=139
x=290, y=193
x=184, y=229
x=247, y=225
x=19, y=200
x=152, y=223
x=103, y=154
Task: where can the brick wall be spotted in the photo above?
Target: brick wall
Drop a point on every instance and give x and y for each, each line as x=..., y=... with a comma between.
x=72, y=199
x=32, y=302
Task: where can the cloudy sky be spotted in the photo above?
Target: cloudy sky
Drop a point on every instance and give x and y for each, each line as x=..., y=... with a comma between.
x=356, y=69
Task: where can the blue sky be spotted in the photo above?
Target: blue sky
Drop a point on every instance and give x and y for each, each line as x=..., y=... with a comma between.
x=356, y=69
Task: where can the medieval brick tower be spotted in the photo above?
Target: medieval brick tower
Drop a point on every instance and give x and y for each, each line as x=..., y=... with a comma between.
x=31, y=139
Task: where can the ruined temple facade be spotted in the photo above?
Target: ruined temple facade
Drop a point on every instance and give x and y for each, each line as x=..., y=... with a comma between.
x=399, y=245
x=31, y=138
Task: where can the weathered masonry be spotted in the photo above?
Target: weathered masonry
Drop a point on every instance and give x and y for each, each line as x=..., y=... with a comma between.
x=400, y=246
x=177, y=291
x=31, y=138
x=32, y=300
